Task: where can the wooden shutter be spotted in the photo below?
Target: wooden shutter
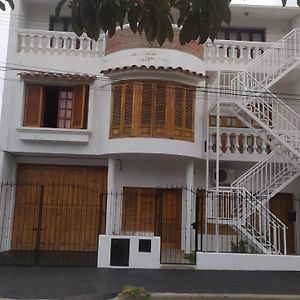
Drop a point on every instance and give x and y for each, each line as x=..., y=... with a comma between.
x=116, y=111
x=189, y=114
x=79, y=107
x=146, y=109
x=127, y=110
x=34, y=106
x=159, y=128
x=179, y=113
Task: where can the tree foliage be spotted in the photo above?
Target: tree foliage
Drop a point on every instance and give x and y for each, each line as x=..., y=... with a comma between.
x=10, y=2
x=198, y=19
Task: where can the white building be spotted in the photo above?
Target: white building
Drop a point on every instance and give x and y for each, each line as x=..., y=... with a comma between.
x=121, y=138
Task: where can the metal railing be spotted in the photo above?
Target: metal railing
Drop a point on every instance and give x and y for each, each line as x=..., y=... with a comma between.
x=238, y=208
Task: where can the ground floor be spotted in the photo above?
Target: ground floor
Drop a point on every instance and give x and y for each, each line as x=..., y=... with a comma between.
x=53, y=210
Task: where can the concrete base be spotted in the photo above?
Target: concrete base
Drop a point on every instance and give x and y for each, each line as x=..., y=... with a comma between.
x=137, y=259
x=247, y=262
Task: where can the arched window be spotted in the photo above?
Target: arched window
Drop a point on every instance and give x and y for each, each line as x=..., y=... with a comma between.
x=153, y=109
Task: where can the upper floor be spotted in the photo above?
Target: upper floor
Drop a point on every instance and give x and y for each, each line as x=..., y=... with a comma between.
x=72, y=95
x=37, y=34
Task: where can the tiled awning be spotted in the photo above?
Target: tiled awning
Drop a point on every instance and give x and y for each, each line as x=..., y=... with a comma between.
x=153, y=68
x=57, y=76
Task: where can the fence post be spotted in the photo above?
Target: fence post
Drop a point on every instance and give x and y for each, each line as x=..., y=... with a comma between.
x=39, y=228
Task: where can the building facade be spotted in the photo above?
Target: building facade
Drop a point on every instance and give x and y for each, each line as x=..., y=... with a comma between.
x=120, y=138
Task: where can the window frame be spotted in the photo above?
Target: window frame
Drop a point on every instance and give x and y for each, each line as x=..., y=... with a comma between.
x=138, y=129
x=65, y=19
x=62, y=85
x=239, y=30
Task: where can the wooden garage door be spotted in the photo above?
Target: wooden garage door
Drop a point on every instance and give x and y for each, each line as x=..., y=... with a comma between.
x=59, y=208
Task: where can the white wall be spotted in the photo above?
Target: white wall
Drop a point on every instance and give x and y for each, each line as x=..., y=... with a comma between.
x=4, y=29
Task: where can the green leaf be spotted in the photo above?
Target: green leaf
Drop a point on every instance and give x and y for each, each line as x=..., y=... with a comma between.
x=11, y=3
x=2, y=6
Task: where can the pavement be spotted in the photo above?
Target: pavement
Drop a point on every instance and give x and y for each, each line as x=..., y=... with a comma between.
x=72, y=283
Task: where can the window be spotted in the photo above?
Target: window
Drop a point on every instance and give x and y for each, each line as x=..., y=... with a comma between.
x=56, y=107
x=60, y=24
x=153, y=109
x=242, y=34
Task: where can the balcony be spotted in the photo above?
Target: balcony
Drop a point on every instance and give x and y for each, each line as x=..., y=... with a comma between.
x=226, y=52
x=61, y=43
x=60, y=51
x=238, y=144
x=221, y=52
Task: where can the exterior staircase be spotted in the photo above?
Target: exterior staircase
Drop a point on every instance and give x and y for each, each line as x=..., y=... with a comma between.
x=244, y=204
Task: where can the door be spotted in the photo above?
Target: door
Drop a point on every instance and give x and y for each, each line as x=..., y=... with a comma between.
x=59, y=208
x=282, y=205
x=171, y=204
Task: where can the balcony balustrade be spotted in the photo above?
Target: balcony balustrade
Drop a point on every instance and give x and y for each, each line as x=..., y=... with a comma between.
x=234, y=52
x=238, y=144
x=61, y=43
x=55, y=42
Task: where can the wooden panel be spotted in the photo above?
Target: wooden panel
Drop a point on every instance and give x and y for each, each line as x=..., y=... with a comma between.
x=159, y=125
x=153, y=109
x=189, y=114
x=128, y=110
x=72, y=205
x=171, y=219
x=78, y=111
x=179, y=112
x=138, y=210
x=34, y=102
x=281, y=205
x=147, y=109
x=116, y=110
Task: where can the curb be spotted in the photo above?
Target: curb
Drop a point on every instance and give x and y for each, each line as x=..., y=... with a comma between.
x=159, y=296
x=166, y=296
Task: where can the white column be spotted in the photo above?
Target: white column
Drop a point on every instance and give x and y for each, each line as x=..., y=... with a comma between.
x=110, y=195
x=189, y=206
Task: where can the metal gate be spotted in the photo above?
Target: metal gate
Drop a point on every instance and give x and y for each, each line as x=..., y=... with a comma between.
x=50, y=224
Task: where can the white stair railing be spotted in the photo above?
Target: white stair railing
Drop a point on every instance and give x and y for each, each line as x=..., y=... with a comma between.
x=238, y=207
x=276, y=60
x=270, y=175
x=245, y=201
x=267, y=110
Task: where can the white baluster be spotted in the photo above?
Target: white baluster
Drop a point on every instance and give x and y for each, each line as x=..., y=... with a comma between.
x=236, y=144
x=254, y=144
x=245, y=144
x=228, y=143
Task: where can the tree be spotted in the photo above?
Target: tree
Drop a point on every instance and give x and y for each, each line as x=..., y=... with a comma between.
x=198, y=19
x=10, y=2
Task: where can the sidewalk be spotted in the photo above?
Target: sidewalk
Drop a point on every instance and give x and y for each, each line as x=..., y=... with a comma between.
x=91, y=283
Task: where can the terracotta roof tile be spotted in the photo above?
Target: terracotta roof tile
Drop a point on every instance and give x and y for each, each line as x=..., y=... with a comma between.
x=60, y=76
x=153, y=68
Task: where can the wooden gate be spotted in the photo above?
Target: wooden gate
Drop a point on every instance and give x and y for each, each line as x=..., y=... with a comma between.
x=60, y=215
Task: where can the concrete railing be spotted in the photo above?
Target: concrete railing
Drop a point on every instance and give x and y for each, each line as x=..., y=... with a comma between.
x=62, y=43
x=239, y=143
x=242, y=52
